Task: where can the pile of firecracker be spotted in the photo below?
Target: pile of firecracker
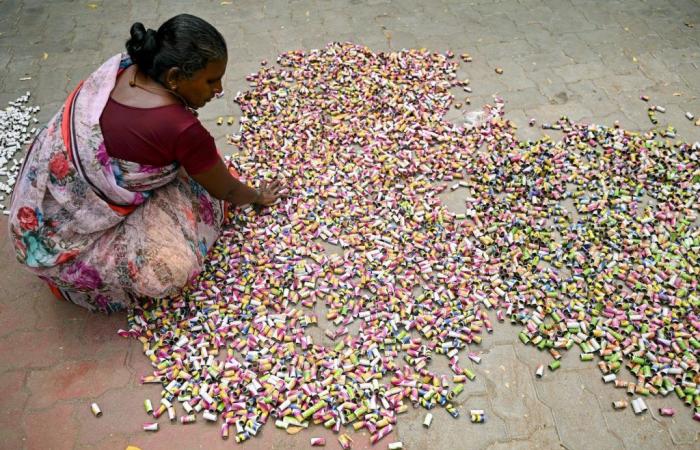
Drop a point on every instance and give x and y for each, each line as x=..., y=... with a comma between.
x=589, y=242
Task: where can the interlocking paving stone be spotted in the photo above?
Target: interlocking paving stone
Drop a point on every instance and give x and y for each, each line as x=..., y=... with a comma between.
x=14, y=396
x=448, y=433
x=540, y=437
x=53, y=427
x=513, y=396
x=577, y=416
x=623, y=421
x=76, y=379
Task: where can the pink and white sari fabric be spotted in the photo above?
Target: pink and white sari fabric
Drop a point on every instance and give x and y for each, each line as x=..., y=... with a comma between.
x=102, y=231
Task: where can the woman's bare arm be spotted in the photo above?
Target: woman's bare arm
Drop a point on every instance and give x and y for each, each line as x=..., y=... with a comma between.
x=224, y=186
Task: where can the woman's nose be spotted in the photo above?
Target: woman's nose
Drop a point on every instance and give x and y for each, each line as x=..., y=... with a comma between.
x=219, y=91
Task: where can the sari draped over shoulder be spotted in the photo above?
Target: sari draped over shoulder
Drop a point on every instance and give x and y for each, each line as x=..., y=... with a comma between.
x=102, y=231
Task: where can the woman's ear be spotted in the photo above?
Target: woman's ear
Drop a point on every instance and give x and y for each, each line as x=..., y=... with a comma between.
x=172, y=76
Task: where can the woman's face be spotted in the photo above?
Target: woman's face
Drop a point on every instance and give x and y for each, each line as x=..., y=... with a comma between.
x=203, y=85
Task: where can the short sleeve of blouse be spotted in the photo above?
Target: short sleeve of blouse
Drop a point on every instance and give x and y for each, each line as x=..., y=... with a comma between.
x=195, y=149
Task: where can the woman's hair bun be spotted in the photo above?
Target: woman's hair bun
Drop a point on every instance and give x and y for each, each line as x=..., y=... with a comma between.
x=184, y=41
x=142, y=46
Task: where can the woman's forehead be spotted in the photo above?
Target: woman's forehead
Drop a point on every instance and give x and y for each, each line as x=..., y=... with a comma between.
x=215, y=67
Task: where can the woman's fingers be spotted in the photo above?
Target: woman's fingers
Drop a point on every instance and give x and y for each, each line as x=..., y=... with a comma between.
x=272, y=187
x=274, y=184
x=270, y=191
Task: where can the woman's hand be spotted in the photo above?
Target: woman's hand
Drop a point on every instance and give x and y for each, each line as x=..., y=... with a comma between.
x=268, y=193
x=222, y=185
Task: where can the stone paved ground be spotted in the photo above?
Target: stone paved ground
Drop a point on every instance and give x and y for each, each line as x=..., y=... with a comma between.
x=587, y=59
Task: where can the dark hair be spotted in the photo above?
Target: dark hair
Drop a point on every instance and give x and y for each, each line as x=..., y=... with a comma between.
x=184, y=41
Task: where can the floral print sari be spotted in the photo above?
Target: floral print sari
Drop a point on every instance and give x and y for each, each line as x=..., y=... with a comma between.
x=102, y=231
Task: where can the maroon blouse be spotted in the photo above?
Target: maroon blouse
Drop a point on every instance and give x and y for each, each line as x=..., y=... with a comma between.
x=158, y=136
